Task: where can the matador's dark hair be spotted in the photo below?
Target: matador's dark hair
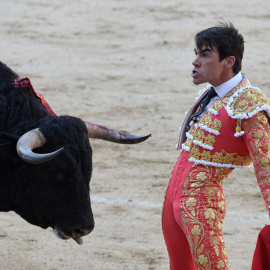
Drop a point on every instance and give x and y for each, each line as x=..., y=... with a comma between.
x=227, y=40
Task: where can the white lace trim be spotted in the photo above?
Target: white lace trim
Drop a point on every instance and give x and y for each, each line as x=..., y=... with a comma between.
x=208, y=129
x=205, y=146
x=209, y=163
x=191, y=123
x=203, y=90
x=211, y=110
x=189, y=136
x=238, y=134
x=185, y=147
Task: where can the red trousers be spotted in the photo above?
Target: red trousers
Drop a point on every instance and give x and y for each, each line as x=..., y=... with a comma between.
x=192, y=218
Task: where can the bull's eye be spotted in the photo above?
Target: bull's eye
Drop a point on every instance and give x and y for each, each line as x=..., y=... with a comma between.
x=56, y=174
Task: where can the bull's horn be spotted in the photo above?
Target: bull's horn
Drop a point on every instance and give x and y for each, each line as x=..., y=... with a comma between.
x=104, y=133
x=31, y=140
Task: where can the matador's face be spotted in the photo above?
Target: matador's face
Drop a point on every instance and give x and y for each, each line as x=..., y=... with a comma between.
x=208, y=67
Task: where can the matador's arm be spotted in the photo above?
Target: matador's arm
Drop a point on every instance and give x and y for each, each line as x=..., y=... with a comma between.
x=257, y=140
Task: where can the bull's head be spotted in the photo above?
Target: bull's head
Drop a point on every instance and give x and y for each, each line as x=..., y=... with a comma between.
x=48, y=183
x=60, y=196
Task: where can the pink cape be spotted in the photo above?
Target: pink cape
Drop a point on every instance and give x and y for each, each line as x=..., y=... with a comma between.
x=261, y=257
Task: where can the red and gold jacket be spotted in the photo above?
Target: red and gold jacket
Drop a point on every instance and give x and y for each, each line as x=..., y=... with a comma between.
x=233, y=132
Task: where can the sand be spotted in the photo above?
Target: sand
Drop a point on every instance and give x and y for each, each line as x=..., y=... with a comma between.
x=127, y=64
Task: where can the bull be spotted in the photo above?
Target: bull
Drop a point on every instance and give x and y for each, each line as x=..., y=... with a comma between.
x=46, y=160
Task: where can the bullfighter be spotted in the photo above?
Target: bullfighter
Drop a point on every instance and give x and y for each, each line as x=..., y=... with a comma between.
x=227, y=128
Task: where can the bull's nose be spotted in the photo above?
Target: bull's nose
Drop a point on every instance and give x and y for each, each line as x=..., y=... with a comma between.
x=79, y=232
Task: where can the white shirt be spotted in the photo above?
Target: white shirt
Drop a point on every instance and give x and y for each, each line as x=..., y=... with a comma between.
x=223, y=89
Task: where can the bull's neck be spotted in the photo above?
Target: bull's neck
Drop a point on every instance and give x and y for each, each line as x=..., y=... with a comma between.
x=12, y=193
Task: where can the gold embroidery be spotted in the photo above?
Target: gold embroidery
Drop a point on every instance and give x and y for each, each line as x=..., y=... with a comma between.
x=188, y=142
x=195, y=152
x=228, y=159
x=268, y=193
x=262, y=119
x=217, y=105
x=258, y=143
x=264, y=161
x=243, y=105
x=248, y=101
x=220, y=157
x=203, y=260
x=206, y=155
x=250, y=98
x=221, y=205
x=258, y=134
x=192, y=130
x=207, y=140
x=206, y=119
x=220, y=225
x=203, y=210
x=199, y=135
x=220, y=265
x=191, y=202
x=201, y=248
x=196, y=230
x=239, y=160
x=201, y=176
x=210, y=140
x=216, y=125
x=210, y=215
x=216, y=249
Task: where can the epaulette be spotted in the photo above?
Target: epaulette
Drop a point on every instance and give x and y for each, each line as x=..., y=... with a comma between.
x=246, y=102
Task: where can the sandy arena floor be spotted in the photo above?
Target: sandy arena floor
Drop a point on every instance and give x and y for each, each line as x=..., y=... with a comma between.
x=127, y=64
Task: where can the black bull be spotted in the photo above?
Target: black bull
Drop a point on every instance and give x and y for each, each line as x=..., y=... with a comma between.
x=46, y=161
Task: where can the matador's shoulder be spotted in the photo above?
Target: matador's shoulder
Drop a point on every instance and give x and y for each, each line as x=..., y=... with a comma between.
x=246, y=102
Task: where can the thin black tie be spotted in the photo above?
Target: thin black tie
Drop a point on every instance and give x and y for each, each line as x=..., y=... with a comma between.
x=212, y=93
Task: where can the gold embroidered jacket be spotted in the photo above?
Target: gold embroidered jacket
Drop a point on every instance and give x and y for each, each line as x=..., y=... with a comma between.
x=234, y=132
x=217, y=139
